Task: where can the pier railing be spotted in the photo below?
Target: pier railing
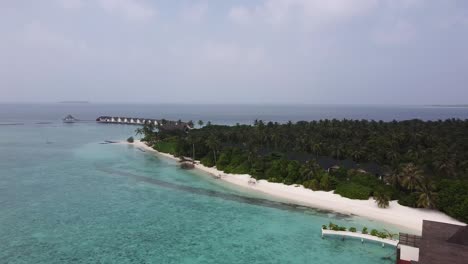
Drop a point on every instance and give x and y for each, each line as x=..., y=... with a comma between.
x=362, y=236
x=409, y=240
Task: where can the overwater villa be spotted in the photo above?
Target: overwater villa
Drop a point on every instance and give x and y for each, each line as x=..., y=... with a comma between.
x=160, y=123
x=439, y=243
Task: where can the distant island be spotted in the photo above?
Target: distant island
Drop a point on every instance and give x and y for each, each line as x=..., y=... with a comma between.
x=73, y=102
x=450, y=105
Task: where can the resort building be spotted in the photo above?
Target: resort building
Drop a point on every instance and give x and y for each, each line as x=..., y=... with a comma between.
x=439, y=243
x=161, y=124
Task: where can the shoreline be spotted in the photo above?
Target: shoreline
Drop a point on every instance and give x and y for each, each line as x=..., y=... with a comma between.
x=395, y=214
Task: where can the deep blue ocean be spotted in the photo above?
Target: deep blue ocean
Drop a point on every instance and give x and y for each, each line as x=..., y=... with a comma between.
x=226, y=114
x=67, y=198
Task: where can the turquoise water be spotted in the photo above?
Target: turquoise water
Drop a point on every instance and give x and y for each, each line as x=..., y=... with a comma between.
x=66, y=198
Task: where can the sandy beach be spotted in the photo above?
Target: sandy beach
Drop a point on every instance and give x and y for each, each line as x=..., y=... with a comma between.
x=395, y=214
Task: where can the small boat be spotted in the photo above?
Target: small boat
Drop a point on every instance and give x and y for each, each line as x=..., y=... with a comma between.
x=69, y=119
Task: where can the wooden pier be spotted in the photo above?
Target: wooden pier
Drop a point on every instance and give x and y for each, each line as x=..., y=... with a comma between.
x=363, y=237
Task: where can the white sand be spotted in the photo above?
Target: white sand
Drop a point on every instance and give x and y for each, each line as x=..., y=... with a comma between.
x=395, y=214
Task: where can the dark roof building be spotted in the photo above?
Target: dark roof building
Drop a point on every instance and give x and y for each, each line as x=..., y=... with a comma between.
x=439, y=243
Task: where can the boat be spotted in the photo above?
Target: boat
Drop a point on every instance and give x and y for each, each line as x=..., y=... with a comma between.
x=69, y=119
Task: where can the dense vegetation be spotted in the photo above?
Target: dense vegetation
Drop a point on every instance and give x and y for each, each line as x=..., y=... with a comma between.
x=423, y=164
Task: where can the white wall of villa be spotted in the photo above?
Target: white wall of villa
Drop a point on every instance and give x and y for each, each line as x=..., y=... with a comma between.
x=409, y=253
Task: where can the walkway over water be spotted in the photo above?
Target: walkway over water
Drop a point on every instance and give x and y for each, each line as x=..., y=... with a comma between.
x=160, y=123
x=361, y=236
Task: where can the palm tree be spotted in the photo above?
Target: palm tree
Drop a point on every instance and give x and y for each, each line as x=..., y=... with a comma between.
x=411, y=176
x=427, y=196
x=191, y=140
x=276, y=138
x=200, y=123
x=190, y=123
x=382, y=199
x=252, y=150
x=139, y=131
x=394, y=179
x=316, y=148
x=357, y=155
x=310, y=169
x=392, y=155
x=213, y=143
x=445, y=166
x=337, y=151
x=147, y=131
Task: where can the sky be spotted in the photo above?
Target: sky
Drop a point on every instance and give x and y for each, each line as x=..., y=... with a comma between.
x=224, y=51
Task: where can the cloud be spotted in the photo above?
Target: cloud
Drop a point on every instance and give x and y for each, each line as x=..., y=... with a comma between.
x=70, y=4
x=403, y=4
x=37, y=35
x=230, y=53
x=42, y=45
x=401, y=32
x=239, y=14
x=194, y=13
x=308, y=12
x=129, y=9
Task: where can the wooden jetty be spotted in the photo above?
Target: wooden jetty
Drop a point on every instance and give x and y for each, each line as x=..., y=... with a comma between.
x=362, y=236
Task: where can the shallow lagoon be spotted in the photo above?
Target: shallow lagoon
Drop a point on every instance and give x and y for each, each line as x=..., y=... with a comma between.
x=66, y=198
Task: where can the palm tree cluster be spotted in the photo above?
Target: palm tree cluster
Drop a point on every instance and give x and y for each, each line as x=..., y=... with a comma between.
x=416, y=156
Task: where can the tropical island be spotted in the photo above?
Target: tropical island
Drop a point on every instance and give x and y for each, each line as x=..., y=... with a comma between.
x=421, y=164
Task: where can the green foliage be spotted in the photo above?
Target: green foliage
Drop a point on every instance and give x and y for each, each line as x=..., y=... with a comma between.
x=327, y=182
x=341, y=173
x=364, y=179
x=374, y=232
x=387, y=190
x=410, y=150
x=408, y=199
x=335, y=227
x=382, y=199
x=293, y=174
x=382, y=235
x=312, y=184
x=167, y=146
x=257, y=169
x=453, y=199
x=243, y=168
x=224, y=160
x=364, y=230
x=130, y=140
x=208, y=161
x=353, y=191
x=274, y=179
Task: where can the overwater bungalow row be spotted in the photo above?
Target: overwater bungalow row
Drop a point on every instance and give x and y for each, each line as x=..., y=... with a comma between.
x=161, y=123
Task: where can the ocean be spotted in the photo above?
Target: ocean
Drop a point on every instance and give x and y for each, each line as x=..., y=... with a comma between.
x=226, y=114
x=66, y=197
